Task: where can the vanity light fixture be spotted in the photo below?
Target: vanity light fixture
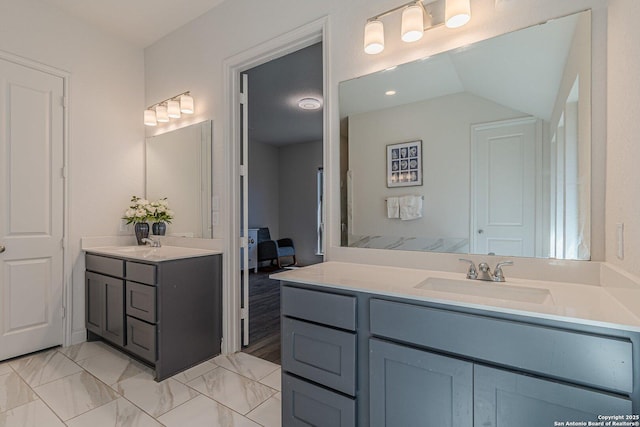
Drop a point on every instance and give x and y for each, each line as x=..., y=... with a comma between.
x=309, y=103
x=416, y=19
x=171, y=108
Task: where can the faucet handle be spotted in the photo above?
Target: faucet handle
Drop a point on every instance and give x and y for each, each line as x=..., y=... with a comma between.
x=472, y=273
x=498, y=276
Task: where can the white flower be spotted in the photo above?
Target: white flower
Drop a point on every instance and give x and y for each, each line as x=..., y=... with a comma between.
x=142, y=202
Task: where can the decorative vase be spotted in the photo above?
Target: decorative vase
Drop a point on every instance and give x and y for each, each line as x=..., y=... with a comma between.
x=159, y=228
x=142, y=231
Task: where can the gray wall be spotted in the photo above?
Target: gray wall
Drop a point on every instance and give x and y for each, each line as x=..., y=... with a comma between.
x=282, y=193
x=299, y=165
x=264, y=190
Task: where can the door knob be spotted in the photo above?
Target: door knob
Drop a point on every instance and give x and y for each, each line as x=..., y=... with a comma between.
x=480, y=231
x=2, y=248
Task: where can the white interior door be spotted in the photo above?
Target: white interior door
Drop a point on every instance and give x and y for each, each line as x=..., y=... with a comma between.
x=503, y=187
x=31, y=209
x=244, y=223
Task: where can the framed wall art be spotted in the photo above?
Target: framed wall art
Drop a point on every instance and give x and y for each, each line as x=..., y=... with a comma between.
x=404, y=164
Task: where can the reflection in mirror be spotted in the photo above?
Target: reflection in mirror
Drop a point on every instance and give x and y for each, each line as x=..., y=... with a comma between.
x=178, y=166
x=505, y=126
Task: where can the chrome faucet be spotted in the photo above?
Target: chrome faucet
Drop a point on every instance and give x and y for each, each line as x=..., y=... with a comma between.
x=483, y=271
x=151, y=242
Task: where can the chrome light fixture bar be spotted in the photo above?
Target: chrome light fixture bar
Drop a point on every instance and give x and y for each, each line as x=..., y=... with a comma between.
x=417, y=18
x=170, y=108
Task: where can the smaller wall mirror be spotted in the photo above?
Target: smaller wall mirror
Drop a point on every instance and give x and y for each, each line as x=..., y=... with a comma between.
x=178, y=167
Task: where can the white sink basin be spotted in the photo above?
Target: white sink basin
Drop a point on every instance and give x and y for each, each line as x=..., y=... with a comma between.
x=502, y=291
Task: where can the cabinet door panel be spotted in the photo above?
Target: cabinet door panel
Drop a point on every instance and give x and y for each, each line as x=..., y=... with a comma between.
x=503, y=398
x=94, y=290
x=410, y=387
x=113, y=326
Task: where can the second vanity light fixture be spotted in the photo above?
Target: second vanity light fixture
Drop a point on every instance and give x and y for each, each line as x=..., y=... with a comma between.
x=416, y=19
x=171, y=108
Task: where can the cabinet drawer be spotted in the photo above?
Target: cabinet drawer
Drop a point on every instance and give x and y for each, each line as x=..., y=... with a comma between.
x=141, y=301
x=304, y=404
x=141, y=339
x=143, y=273
x=323, y=355
x=595, y=360
x=320, y=307
x=105, y=265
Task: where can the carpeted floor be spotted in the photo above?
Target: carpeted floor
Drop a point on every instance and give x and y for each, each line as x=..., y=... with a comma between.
x=264, y=316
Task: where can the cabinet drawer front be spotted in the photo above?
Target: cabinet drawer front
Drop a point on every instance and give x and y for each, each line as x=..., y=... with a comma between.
x=324, y=355
x=502, y=398
x=105, y=265
x=141, y=339
x=141, y=301
x=304, y=404
x=594, y=360
x=143, y=273
x=320, y=307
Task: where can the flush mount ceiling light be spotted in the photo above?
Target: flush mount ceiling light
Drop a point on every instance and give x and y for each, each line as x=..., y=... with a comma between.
x=171, y=108
x=309, y=103
x=416, y=19
x=390, y=92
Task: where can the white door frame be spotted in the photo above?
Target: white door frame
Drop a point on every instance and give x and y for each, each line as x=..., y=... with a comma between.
x=292, y=41
x=67, y=266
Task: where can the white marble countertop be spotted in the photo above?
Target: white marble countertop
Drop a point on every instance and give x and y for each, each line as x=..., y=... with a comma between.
x=578, y=303
x=147, y=253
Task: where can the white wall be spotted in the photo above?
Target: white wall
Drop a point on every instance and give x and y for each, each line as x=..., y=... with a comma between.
x=299, y=165
x=264, y=188
x=443, y=125
x=106, y=136
x=623, y=138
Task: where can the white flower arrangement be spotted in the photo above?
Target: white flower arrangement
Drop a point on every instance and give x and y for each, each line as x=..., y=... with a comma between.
x=160, y=211
x=142, y=210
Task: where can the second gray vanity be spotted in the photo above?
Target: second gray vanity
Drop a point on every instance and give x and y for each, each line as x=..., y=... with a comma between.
x=165, y=310
x=355, y=357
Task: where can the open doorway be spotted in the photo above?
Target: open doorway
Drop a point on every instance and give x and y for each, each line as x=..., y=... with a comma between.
x=284, y=192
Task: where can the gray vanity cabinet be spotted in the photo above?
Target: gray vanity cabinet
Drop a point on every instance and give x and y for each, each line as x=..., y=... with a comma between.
x=419, y=363
x=168, y=314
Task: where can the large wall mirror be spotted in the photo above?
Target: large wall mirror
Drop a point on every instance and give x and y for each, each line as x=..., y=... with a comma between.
x=501, y=146
x=178, y=167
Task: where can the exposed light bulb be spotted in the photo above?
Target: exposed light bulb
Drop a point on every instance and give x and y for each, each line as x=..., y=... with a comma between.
x=373, y=37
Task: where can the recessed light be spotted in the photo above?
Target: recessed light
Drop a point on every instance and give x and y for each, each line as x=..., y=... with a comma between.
x=390, y=92
x=309, y=103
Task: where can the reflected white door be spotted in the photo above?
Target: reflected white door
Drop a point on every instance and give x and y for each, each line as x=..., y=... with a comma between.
x=31, y=209
x=503, y=187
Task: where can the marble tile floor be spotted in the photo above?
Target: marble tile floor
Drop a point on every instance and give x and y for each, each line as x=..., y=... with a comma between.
x=94, y=385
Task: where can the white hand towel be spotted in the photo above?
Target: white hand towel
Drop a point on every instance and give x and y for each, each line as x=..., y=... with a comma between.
x=393, y=207
x=410, y=207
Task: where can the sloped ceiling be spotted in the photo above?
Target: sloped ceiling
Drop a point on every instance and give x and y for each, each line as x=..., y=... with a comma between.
x=140, y=22
x=521, y=70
